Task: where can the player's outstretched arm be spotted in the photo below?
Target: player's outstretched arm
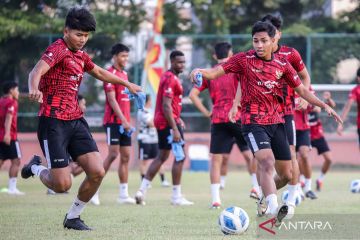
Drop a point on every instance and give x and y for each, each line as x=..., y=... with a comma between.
x=344, y=114
x=39, y=70
x=312, y=99
x=208, y=73
x=107, y=76
x=194, y=97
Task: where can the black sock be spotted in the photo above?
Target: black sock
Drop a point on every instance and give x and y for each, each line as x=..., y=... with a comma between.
x=162, y=177
x=142, y=176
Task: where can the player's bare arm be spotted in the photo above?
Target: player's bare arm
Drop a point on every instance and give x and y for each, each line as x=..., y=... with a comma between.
x=344, y=115
x=116, y=108
x=208, y=73
x=7, y=137
x=311, y=98
x=236, y=104
x=107, y=76
x=329, y=101
x=34, y=79
x=166, y=104
x=194, y=97
x=305, y=78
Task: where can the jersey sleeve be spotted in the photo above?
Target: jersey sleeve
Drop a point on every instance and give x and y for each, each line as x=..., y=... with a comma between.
x=53, y=54
x=290, y=76
x=352, y=94
x=296, y=61
x=236, y=64
x=169, y=87
x=88, y=63
x=10, y=108
x=108, y=87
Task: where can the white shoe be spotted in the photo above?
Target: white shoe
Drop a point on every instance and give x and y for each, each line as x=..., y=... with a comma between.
x=181, y=201
x=126, y=200
x=139, y=198
x=291, y=211
x=262, y=207
x=95, y=199
x=15, y=192
x=165, y=183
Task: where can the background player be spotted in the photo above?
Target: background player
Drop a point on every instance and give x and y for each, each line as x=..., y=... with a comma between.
x=9, y=145
x=168, y=122
x=223, y=131
x=148, y=140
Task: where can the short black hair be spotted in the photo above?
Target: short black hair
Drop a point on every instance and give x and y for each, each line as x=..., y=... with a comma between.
x=222, y=50
x=358, y=72
x=118, y=48
x=7, y=86
x=175, y=54
x=148, y=97
x=263, y=27
x=80, y=18
x=80, y=97
x=274, y=20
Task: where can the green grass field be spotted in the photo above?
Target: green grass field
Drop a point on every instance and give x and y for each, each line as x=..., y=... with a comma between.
x=38, y=216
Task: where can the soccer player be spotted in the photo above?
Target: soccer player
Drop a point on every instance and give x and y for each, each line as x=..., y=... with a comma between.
x=9, y=145
x=148, y=140
x=168, y=122
x=354, y=96
x=318, y=140
x=62, y=131
x=262, y=119
x=223, y=131
x=117, y=114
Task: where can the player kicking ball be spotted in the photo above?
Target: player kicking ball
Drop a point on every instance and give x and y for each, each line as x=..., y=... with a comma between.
x=263, y=124
x=62, y=131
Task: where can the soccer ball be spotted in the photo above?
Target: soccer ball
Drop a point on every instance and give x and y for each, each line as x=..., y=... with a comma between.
x=285, y=196
x=355, y=186
x=233, y=220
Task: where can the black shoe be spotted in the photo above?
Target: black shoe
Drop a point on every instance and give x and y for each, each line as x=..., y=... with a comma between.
x=310, y=194
x=26, y=170
x=283, y=211
x=76, y=224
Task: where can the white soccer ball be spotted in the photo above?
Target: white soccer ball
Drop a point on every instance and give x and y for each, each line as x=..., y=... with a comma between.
x=285, y=196
x=234, y=220
x=355, y=186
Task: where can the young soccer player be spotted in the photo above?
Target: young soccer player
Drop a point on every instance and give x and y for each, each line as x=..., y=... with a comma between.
x=9, y=145
x=318, y=140
x=117, y=114
x=263, y=125
x=223, y=131
x=354, y=96
x=168, y=122
x=63, y=132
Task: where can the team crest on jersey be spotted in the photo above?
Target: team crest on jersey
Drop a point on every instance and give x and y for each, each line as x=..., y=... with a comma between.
x=278, y=74
x=169, y=90
x=11, y=108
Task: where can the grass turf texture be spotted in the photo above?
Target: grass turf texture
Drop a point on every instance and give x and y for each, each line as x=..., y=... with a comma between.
x=39, y=216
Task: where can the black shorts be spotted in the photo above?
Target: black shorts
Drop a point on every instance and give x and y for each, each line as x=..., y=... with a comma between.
x=302, y=139
x=223, y=136
x=148, y=150
x=290, y=129
x=321, y=145
x=163, y=135
x=60, y=140
x=10, y=152
x=114, y=137
x=268, y=137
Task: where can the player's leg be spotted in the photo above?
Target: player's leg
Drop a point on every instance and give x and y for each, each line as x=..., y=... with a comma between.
x=14, y=154
x=224, y=170
x=113, y=141
x=76, y=170
x=324, y=150
x=215, y=168
x=164, y=182
x=123, y=172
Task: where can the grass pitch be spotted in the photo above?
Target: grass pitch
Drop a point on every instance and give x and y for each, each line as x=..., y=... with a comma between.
x=39, y=216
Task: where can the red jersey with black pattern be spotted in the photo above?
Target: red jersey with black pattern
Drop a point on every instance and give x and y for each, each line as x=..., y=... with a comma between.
x=60, y=85
x=262, y=85
x=121, y=98
x=222, y=92
x=170, y=87
x=316, y=128
x=355, y=95
x=8, y=106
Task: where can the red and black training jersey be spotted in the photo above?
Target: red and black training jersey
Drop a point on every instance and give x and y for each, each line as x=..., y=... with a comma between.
x=262, y=96
x=355, y=95
x=121, y=98
x=60, y=85
x=222, y=92
x=316, y=128
x=8, y=106
x=170, y=86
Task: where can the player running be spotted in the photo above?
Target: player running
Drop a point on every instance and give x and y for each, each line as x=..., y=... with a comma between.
x=62, y=131
x=9, y=145
x=168, y=123
x=263, y=124
x=223, y=131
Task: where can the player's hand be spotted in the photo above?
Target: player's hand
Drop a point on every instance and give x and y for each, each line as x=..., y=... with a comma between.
x=126, y=126
x=332, y=113
x=232, y=113
x=326, y=95
x=302, y=105
x=36, y=95
x=133, y=88
x=176, y=135
x=182, y=124
x=192, y=75
x=7, y=139
x=339, y=129
x=208, y=114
